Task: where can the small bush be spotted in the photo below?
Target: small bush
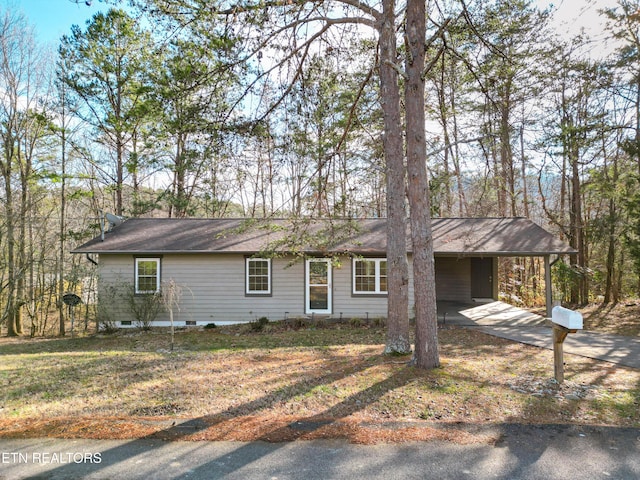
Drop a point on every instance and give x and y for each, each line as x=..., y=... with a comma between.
x=107, y=327
x=110, y=296
x=145, y=308
x=297, y=322
x=356, y=322
x=118, y=301
x=259, y=324
x=210, y=325
x=379, y=322
x=322, y=323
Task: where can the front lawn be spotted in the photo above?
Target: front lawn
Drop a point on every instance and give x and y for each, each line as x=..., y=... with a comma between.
x=283, y=383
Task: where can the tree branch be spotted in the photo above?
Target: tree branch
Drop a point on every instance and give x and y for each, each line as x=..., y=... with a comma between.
x=397, y=68
x=353, y=109
x=235, y=9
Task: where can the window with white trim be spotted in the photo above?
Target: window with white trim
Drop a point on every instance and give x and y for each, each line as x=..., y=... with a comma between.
x=258, y=280
x=147, y=275
x=369, y=276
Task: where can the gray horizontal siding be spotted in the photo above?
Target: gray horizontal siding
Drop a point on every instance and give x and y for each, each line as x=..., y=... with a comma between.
x=348, y=305
x=115, y=285
x=213, y=288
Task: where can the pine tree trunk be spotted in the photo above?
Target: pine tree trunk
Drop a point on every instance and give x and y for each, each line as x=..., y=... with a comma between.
x=10, y=289
x=610, y=279
x=63, y=206
x=426, y=341
x=119, y=175
x=448, y=150
x=506, y=155
x=397, y=265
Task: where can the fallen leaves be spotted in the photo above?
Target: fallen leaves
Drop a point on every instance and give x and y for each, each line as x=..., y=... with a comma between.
x=246, y=429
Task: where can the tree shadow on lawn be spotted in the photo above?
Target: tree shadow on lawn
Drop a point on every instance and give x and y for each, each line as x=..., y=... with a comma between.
x=275, y=432
x=597, y=401
x=615, y=318
x=54, y=379
x=55, y=374
x=92, y=376
x=330, y=423
x=32, y=346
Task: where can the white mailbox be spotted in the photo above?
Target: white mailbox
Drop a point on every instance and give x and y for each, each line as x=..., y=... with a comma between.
x=567, y=318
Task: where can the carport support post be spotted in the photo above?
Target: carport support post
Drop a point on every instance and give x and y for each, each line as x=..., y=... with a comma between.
x=559, y=334
x=547, y=284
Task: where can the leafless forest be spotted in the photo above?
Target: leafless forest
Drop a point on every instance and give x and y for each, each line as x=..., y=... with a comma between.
x=198, y=108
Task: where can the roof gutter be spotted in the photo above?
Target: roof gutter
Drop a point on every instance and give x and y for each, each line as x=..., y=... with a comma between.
x=88, y=255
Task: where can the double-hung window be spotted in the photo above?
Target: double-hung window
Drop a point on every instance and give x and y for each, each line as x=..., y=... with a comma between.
x=147, y=275
x=369, y=276
x=258, y=277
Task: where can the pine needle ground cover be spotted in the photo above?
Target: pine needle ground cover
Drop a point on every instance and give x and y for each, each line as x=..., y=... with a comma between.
x=285, y=383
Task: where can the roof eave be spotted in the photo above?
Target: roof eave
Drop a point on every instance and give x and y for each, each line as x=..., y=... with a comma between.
x=502, y=253
x=328, y=252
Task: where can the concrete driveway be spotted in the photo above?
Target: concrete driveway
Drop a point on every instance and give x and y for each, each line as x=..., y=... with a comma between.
x=513, y=323
x=491, y=314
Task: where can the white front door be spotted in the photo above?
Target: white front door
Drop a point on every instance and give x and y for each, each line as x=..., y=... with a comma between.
x=318, y=286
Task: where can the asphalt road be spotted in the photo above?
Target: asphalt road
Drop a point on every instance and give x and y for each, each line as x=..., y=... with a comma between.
x=523, y=452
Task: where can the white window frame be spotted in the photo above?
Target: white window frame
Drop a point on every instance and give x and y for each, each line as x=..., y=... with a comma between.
x=247, y=290
x=137, y=276
x=377, y=262
x=328, y=286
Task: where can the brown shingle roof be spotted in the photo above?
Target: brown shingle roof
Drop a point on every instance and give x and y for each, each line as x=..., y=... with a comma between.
x=451, y=236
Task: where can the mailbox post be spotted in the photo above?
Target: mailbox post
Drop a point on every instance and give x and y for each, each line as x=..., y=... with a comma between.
x=565, y=321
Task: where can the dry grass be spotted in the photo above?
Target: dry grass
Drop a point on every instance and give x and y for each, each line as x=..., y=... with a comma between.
x=620, y=318
x=283, y=384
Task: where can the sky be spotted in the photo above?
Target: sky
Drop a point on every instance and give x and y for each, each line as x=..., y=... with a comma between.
x=53, y=18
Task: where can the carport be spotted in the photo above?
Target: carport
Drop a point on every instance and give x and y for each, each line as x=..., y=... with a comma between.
x=467, y=250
